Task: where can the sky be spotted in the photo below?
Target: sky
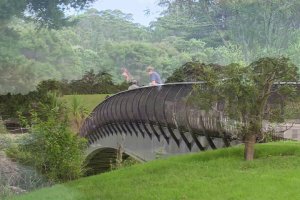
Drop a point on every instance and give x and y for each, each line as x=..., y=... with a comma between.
x=135, y=7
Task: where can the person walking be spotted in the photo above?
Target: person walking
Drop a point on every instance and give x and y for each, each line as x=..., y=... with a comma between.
x=153, y=76
x=126, y=74
x=133, y=85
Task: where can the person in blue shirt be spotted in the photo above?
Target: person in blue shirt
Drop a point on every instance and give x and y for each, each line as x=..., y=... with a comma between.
x=154, y=76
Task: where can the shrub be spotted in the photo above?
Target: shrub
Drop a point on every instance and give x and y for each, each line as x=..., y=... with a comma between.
x=55, y=150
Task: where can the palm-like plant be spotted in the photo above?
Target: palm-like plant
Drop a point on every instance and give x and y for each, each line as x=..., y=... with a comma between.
x=78, y=113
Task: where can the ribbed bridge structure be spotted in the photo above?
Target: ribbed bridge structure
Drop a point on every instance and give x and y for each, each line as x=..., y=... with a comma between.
x=150, y=122
x=155, y=121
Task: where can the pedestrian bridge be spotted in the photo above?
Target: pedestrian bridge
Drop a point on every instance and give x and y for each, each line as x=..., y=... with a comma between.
x=151, y=122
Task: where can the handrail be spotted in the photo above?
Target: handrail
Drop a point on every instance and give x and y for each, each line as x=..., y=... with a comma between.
x=136, y=112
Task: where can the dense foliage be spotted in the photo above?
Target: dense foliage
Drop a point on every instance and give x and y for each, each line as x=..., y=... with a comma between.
x=220, y=32
x=11, y=104
x=192, y=71
x=101, y=41
x=50, y=14
x=50, y=146
x=16, y=105
x=247, y=96
x=54, y=150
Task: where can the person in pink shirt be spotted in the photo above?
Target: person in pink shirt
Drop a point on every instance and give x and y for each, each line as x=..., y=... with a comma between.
x=126, y=74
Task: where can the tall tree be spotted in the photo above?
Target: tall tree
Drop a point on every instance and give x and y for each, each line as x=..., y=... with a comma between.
x=245, y=93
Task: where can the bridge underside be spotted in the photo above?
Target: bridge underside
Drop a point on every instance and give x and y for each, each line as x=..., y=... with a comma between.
x=103, y=148
x=102, y=160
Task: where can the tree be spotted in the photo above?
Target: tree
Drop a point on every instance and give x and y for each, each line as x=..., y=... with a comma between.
x=46, y=13
x=51, y=86
x=246, y=93
x=259, y=28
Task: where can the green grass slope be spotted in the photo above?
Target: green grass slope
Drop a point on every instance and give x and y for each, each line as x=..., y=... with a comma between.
x=89, y=101
x=215, y=175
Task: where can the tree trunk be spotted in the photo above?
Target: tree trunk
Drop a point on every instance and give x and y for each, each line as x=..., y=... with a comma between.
x=249, y=147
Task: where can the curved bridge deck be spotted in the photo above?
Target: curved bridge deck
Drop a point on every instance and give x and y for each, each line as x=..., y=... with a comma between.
x=151, y=122
x=154, y=120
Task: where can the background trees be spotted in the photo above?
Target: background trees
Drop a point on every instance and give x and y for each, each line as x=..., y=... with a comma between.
x=220, y=32
x=259, y=28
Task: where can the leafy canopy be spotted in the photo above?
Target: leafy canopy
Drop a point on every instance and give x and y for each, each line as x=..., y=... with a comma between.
x=47, y=13
x=251, y=93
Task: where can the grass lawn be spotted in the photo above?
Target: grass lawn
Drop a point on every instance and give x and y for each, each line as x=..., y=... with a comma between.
x=214, y=175
x=89, y=101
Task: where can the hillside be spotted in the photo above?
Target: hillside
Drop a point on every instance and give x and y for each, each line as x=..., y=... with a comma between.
x=214, y=175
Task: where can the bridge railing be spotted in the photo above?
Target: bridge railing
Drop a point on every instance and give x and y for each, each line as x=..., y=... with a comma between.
x=154, y=111
x=158, y=111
